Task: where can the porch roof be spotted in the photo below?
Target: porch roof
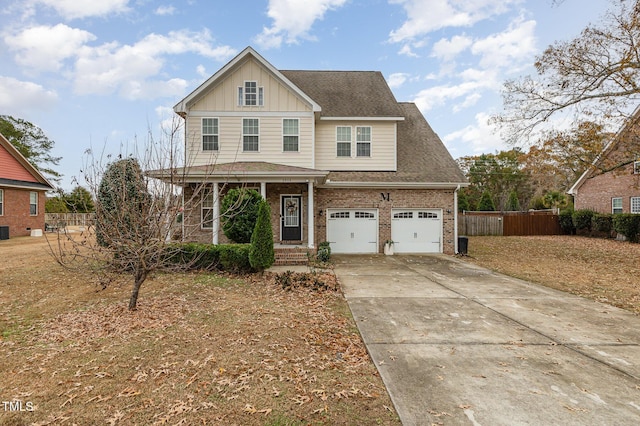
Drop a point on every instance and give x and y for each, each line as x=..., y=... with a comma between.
x=241, y=171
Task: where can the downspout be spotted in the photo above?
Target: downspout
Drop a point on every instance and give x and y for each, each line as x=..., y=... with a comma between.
x=455, y=219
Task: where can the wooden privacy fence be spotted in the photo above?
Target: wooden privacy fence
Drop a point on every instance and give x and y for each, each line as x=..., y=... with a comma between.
x=538, y=222
x=70, y=219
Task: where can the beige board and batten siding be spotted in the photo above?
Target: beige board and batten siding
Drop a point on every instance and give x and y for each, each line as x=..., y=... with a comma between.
x=383, y=146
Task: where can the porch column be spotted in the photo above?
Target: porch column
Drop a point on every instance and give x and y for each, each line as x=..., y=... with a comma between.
x=310, y=214
x=263, y=189
x=216, y=212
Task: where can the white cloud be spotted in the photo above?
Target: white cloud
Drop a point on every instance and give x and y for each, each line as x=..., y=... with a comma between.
x=165, y=10
x=74, y=9
x=44, y=48
x=425, y=16
x=397, y=79
x=129, y=69
x=480, y=137
x=18, y=96
x=440, y=95
x=447, y=50
x=508, y=48
x=292, y=20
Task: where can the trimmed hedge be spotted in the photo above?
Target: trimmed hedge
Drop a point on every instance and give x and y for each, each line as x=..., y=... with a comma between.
x=627, y=224
x=602, y=223
x=261, y=254
x=566, y=222
x=210, y=257
x=582, y=219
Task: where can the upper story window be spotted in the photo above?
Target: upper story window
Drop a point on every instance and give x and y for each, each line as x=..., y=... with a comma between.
x=616, y=205
x=250, y=134
x=363, y=141
x=210, y=134
x=250, y=94
x=635, y=204
x=33, y=203
x=343, y=139
x=1, y=202
x=290, y=135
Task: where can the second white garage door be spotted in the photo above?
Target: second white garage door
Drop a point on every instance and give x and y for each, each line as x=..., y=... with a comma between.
x=416, y=230
x=352, y=230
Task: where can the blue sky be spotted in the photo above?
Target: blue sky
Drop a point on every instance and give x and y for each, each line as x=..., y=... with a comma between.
x=102, y=73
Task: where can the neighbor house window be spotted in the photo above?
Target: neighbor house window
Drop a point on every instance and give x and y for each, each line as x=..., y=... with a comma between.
x=343, y=138
x=33, y=203
x=250, y=94
x=1, y=202
x=207, y=210
x=363, y=141
x=616, y=205
x=290, y=134
x=210, y=134
x=250, y=134
x=635, y=204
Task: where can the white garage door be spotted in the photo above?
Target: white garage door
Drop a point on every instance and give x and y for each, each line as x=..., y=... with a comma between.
x=416, y=230
x=352, y=230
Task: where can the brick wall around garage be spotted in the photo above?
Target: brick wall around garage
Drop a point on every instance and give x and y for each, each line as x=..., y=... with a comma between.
x=16, y=215
x=384, y=201
x=597, y=192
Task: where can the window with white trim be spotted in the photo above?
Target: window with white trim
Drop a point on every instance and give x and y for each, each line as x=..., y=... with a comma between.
x=250, y=134
x=250, y=94
x=427, y=215
x=365, y=215
x=343, y=138
x=290, y=134
x=33, y=203
x=616, y=205
x=1, y=202
x=403, y=215
x=363, y=141
x=206, y=214
x=340, y=215
x=636, y=167
x=210, y=134
x=635, y=204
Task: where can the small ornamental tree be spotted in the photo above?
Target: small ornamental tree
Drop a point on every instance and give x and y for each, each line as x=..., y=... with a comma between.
x=261, y=254
x=239, y=214
x=486, y=203
x=513, y=204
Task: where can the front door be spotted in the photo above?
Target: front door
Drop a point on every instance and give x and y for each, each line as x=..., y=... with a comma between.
x=291, y=207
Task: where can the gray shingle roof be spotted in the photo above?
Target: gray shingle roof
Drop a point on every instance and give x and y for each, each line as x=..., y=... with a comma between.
x=347, y=93
x=422, y=157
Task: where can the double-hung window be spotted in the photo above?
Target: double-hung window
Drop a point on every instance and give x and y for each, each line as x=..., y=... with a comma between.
x=250, y=94
x=635, y=204
x=343, y=138
x=250, y=134
x=363, y=141
x=210, y=134
x=616, y=205
x=1, y=202
x=33, y=203
x=206, y=218
x=290, y=135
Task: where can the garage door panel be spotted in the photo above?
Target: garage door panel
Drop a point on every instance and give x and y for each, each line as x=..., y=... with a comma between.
x=416, y=230
x=352, y=230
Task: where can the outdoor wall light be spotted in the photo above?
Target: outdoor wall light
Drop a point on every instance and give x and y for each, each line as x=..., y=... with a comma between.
x=320, y=212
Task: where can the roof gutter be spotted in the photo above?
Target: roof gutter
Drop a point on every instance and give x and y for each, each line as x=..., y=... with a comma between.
x=399, y=185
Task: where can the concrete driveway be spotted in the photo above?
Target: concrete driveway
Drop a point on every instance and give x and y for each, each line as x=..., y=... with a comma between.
x=459, y=345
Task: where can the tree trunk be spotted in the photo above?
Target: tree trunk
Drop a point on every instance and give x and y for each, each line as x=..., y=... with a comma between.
x=139, y=279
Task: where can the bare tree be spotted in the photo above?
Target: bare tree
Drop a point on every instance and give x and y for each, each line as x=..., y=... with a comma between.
x=595, y=76
x=137, y=217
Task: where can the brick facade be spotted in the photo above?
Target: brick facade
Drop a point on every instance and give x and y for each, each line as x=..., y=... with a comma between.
x=327, y=198
x=16, y=215
x=597, y=192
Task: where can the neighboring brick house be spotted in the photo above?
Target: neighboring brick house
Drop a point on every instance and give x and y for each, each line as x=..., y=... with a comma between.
x=612, y=183
x=22, y=192
x=333, y=152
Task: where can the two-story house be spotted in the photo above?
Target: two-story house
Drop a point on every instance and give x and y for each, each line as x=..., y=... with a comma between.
x=333, y=152
x=22, y=193
x=612, y=183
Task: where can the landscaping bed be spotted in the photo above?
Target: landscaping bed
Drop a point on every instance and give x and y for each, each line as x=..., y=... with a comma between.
x=201, y=349
x=604, y=270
